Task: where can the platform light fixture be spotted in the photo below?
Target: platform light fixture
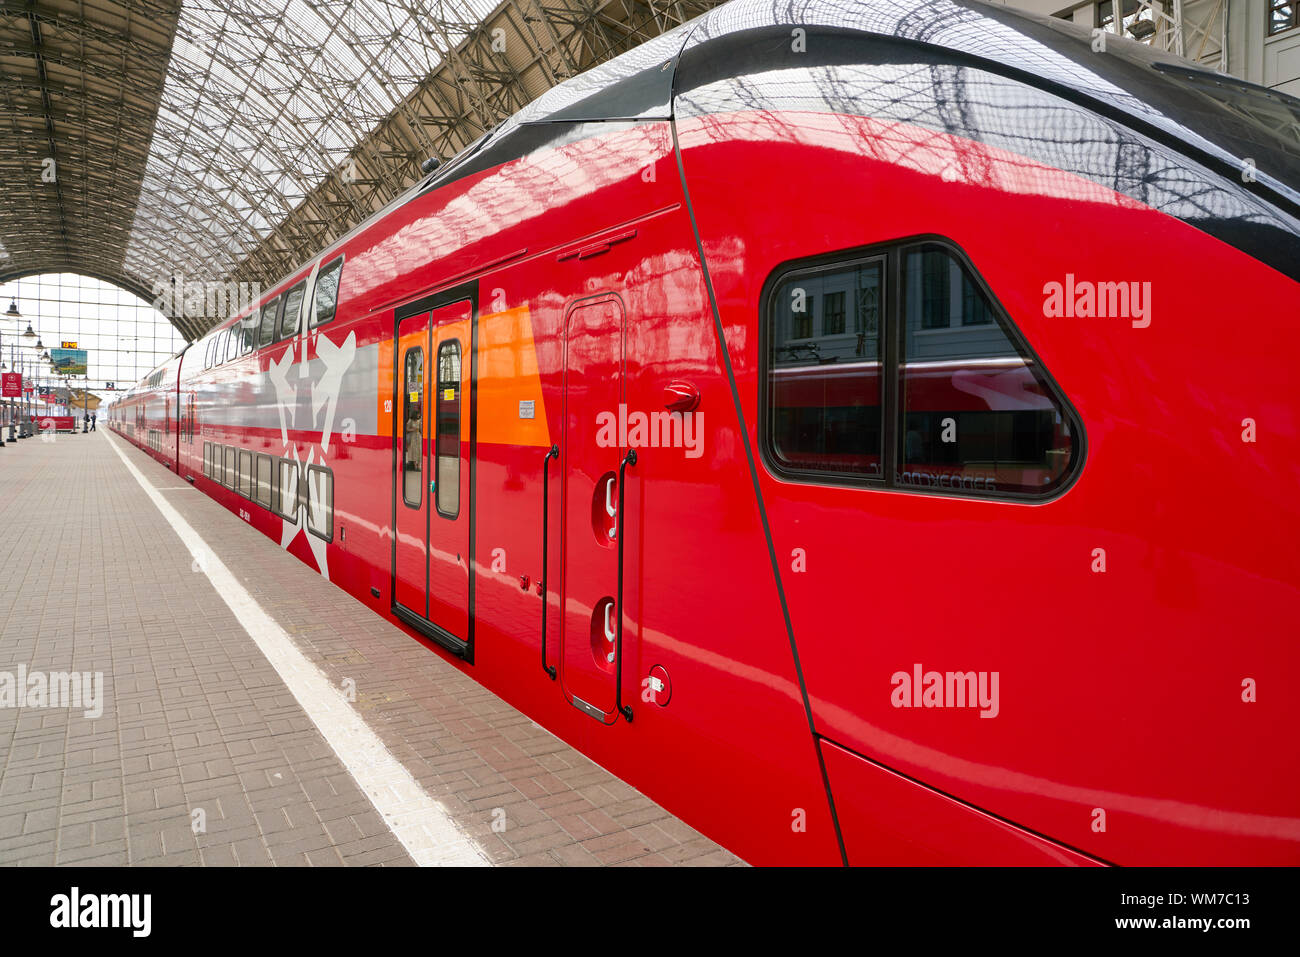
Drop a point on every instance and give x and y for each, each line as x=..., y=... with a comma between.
x=12, y=312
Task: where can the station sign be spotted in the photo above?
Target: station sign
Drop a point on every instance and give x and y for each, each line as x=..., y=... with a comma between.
x=11, y=385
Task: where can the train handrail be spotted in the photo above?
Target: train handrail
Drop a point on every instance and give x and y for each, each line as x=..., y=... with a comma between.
x=554, y=453
x=626, y=712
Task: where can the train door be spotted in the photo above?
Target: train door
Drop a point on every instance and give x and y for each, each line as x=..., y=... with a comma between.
x=592, y=528
x=432, y=566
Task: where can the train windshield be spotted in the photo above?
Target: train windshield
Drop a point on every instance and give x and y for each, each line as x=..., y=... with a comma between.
x=1252, y=122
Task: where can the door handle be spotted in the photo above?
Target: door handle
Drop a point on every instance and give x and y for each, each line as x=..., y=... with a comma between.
x=625, y=711
x=554, y=453
x=610, y=633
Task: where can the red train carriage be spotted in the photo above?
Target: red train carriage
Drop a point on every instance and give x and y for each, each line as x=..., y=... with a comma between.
x=825, y=424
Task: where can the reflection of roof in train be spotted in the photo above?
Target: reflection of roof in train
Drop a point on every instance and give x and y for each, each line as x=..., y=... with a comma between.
x=1146, y=85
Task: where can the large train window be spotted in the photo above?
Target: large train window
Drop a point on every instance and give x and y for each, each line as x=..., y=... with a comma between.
x=232, y=344
x=413, y=428
x=897, y=368
x=976, y=413
x=292, y=307
x=824, y=381
x=447, y=431
x=327, y=293
x=230, y=469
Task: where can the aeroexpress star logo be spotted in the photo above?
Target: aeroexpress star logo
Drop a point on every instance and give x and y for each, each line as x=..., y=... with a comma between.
x=306, y=398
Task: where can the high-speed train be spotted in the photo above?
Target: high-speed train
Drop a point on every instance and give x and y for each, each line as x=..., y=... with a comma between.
x=824, y=416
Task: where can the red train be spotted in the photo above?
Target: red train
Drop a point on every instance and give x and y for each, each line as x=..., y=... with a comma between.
x=829, y=425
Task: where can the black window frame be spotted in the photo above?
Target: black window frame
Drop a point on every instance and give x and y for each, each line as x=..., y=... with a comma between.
x=281, y=332
x=1275, y=5
x=248, y=332
x=244, y=485
x=277, y=489
x=434, y=426
x=893, y=411
x=312, y=321
x=276, y=303
x=258, y=459
x=229, y=475
x=329, y=473
x=417, y=349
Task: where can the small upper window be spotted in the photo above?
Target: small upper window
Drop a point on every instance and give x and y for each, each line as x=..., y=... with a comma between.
x=292, y=307
x=269, y=313
x=248, y=333
x=327, y=292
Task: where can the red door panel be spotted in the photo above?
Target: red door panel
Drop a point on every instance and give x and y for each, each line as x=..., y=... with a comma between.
x=589, y=458
x=411, y=485
x=447, y=468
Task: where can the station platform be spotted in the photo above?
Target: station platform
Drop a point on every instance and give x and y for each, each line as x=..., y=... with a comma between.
x=223, y=737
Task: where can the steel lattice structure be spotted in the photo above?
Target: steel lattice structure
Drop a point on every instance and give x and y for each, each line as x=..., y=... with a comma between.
x=228, y=141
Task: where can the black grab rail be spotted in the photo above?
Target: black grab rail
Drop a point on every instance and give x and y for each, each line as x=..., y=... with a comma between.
x=554, y=453
x=626, y=712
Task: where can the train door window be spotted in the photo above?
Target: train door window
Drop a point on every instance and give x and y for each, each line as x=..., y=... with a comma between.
x=262, y=489
x=231, y=468
x=977, y=414
x=320, y=502
x=447, y=431
x=327, y=293
x=292, y=307
x=245, y=473
x=269, y=313
x=285, y=493
x=824, y=370
x=413, y=427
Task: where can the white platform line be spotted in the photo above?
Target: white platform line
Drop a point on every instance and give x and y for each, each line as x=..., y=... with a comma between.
x=422, y=825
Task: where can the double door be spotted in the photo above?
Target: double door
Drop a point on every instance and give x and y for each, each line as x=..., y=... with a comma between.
x=432, y=561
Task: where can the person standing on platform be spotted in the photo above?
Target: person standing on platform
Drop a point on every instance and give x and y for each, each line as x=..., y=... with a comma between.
x=93, y=417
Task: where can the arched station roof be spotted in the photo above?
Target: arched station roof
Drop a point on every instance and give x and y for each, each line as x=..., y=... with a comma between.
x=219, y=140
